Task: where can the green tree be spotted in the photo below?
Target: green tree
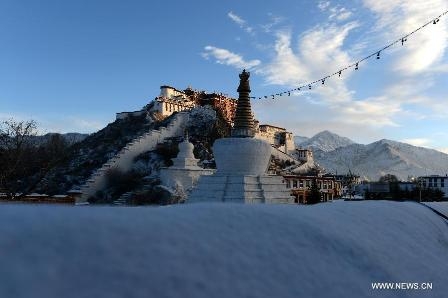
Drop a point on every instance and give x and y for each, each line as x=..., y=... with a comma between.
x=314, y=197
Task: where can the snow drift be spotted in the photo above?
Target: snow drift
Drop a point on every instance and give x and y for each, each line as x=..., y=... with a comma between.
x=221, y=250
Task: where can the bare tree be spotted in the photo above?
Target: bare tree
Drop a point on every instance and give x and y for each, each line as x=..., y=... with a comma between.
x=16, y=154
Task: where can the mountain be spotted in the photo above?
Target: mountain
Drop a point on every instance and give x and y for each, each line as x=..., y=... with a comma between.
x=299, y=139
x=325, y=141
x=383, y=157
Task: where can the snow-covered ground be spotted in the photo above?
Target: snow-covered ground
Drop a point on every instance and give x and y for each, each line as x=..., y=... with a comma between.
x=222, y=250
x=442, y=207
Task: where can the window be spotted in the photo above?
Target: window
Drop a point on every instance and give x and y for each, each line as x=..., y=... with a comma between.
x=288, y=184
x=294, y=183
x=442, y=182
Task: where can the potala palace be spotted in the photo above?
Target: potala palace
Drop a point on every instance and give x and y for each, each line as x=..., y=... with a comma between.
x=244, y=161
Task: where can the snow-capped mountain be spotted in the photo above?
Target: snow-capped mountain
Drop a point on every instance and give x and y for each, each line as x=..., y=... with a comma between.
x=379, y=158
x=325, y=141
x=300, y=139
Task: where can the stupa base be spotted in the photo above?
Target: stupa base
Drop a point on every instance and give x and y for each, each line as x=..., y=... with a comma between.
x=241, y=189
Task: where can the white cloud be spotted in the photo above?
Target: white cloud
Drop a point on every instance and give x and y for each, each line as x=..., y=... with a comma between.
x=323, y=5
x=421, y=142
x=375, y=112
x=240, y=22
x=286, y=68
x=343, y=14
x=223, y=56
x=443, y=150
x=336, y=12
x=319, y=52
x=324, y=49
x=424, y=49
x=273, y=22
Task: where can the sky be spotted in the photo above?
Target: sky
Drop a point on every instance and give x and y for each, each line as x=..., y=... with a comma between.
x=71, y=65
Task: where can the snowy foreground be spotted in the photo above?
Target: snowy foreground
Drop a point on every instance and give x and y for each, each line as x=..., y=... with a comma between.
x=222, y=250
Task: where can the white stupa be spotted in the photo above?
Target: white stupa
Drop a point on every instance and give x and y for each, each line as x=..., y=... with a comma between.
x=242, y=162
x=185, y=158
x=184, y=174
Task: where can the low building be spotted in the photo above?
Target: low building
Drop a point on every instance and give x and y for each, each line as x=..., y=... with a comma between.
x=351, y=184
x=435, y=182
x=300, y=187
x=304, y=155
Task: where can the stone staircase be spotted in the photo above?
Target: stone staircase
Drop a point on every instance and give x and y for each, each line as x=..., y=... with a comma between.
x=123, y=160
x=123, y=199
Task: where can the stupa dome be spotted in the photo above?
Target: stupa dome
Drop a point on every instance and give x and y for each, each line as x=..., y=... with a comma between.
x=185, y=149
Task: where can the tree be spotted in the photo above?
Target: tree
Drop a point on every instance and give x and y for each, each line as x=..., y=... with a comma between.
x=314, y=197
x=16, y=154
x=23, y=162
x=389, y=178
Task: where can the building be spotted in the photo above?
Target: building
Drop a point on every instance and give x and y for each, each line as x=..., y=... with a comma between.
x=300, y=187
x=304, y=155
x=172, y=100
x=276, y=136
x=435, y=182
x=220, y=102
x=351, y=184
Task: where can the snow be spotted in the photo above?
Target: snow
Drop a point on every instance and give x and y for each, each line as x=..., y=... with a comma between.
x=341, y=155
x=384, y=157
x=325, y=141
x=222, y=250
x=442, y=207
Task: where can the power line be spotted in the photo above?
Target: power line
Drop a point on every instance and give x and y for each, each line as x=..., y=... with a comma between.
x=356, y=64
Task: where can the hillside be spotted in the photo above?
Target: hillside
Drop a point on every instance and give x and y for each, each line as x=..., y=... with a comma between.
x=376, y=159
x=84, y=157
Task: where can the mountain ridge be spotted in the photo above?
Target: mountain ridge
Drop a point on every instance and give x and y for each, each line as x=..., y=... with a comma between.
x=377, y=158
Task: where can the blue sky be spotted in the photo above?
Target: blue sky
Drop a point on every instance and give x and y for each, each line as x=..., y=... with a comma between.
x=71, y=65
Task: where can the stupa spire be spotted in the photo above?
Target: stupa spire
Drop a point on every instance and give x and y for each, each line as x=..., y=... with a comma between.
x=244, y=121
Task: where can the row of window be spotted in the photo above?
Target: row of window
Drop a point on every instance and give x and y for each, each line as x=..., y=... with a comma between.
x=174, y=107
x=432, y=182
x=307, y=183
